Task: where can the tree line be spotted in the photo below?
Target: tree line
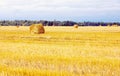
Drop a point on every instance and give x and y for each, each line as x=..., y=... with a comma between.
x=54, y=23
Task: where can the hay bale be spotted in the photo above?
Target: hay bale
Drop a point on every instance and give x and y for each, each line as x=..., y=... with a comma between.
x=17, y=26
x=115, y=25
x=76, y=26
x=100, y=25
x=37, y=29
x=108, y=25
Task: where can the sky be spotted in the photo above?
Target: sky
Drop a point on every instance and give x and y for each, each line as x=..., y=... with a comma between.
x=62, y=10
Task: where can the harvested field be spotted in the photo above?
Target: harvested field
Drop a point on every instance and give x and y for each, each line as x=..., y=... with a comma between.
x=61, y=51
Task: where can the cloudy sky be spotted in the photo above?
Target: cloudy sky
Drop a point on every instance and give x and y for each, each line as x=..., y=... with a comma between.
x=75, y=10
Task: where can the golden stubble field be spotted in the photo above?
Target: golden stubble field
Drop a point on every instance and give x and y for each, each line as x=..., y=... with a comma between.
x=61, y=51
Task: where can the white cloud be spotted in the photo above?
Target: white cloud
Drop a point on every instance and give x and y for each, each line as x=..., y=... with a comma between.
x=60, y=8
x=60, y=3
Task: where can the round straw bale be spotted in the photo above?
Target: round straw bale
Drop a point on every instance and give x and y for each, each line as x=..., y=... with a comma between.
x=17, y=26
x=75, y=25
x=37, y=29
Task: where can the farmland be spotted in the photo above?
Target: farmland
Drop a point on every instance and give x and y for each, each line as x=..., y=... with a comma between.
x=61, y=51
